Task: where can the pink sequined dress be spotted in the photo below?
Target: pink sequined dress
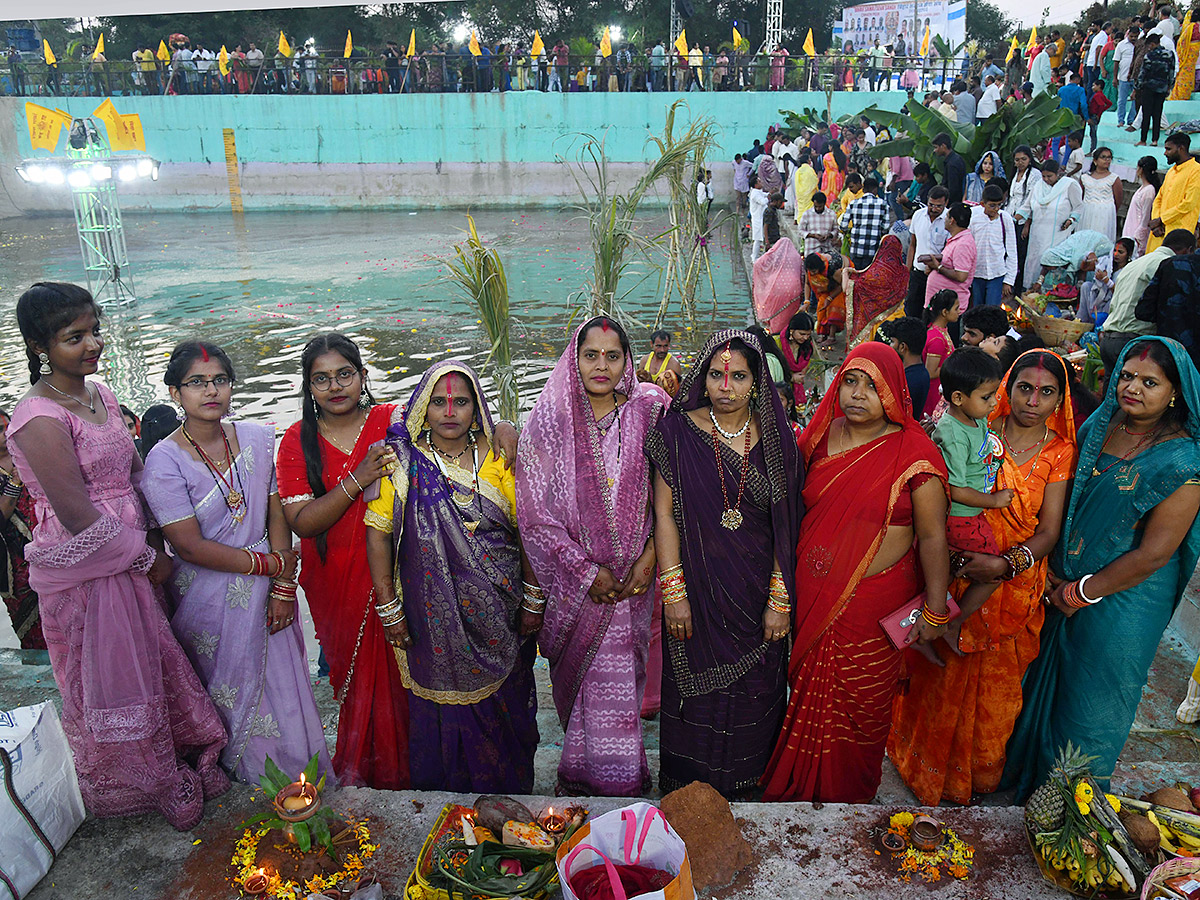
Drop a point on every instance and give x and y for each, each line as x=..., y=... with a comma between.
x=144, y=733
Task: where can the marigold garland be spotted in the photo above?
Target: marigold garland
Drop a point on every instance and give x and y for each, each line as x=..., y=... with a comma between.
x=955, y=856
x=245, y=860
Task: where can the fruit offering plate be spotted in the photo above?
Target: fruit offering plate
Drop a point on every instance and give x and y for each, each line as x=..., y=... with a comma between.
x=1061, y=880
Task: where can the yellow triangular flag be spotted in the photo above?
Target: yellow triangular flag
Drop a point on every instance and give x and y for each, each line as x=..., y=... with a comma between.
x=808, y=44
x=681, y=43
x=412, y=43
x=606, y=44
x=44, y=126
x=1032, y=39
x=129, y=126
x=925, y=42
x=99, y=46
x=538, y=47
x=223, y=61
x=163, y=53
x=473, y=46
x=284, y=47
x=1012, y=48
x=349, y=46
x=47, y=53
x=737, y=38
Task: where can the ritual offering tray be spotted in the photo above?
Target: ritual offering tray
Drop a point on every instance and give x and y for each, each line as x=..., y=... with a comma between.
x=923, y=848
x=496, y=850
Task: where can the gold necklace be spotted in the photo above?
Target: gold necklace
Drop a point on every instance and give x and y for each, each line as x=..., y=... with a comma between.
x=325, y=433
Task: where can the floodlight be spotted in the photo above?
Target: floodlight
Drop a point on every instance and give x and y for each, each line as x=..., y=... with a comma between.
x=79, y=178
x=127, y=172
x=144, y=167
x=54, y=175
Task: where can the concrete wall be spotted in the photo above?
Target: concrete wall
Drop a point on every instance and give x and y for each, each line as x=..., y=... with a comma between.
x=408, y=151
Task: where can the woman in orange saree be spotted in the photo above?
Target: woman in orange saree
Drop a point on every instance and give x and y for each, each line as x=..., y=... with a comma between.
x=950, y=729
x=875, y=482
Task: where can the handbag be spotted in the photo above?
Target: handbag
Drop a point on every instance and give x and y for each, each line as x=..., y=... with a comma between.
x=637, y=838
x=898, y=624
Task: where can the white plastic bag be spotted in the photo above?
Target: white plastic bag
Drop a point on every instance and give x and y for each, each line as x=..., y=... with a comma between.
x=638, y=834
x=40, y=803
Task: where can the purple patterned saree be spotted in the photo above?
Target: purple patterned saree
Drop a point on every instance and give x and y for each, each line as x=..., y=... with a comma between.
x=583, y=490
x=724, y=688
x=258, y=681
x=473, y=709
x=144, y=734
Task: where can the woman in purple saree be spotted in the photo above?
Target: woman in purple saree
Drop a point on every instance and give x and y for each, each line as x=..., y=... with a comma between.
x=144, y=734
x=583, y=489
x=211, y=485
x=725, y=666
x=442, y=543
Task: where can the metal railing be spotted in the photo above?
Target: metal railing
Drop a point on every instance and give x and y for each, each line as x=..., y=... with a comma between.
x=432, y=72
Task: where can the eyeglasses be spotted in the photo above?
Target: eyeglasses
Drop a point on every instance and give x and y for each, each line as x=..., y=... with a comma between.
x=199, y=384
x=344, y=378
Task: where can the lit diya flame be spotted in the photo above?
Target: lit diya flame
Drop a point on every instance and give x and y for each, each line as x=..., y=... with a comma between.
x=303, y=799
x=256, y=883
x=553, y=822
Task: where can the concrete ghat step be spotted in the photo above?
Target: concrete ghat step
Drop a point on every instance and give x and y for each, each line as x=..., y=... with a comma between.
x=800, y=851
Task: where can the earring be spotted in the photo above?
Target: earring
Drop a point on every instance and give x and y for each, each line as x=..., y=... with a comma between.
x=44, y=359
x=1172, y=403
x=364, y=401
x=316, y=409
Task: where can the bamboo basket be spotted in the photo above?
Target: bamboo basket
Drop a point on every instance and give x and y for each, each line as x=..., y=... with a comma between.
x=1063, y=882
x=1057, y=332
x=1153, y=886
x=449, y=821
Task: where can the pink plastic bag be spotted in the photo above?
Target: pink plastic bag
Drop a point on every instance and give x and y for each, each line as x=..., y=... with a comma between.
x=778, y=285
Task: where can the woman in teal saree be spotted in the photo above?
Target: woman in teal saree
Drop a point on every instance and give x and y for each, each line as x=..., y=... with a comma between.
x=1130, y=544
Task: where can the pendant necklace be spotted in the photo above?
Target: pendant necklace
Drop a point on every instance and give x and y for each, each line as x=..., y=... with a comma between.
x=731, y=517
x=729, y=435
x=1124, y=457
x=235, y=498
x=616, y=422
x=325, y=433
x=463, y=501
x=90, y=407
x=1013, y=451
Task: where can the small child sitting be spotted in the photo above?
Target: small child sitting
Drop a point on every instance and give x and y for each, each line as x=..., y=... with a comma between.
x=970, y=379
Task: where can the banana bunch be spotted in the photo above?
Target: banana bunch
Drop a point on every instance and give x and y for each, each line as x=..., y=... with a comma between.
x=1090, y=873
x=1175, y=836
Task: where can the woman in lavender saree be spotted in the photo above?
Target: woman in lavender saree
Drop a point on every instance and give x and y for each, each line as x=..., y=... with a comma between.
x=144, y=735
x=212, y=487
x=728, y=509
x=446, y=565
x=583, y=490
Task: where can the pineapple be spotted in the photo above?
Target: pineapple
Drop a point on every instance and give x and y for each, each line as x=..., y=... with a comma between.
x=1046, y=809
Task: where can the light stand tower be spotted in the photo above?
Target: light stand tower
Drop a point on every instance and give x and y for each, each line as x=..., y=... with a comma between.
x=674, y=23
x=91, y=171
x=774, y=34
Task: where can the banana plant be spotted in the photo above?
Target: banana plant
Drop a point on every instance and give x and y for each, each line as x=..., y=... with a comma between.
x=1016, y=123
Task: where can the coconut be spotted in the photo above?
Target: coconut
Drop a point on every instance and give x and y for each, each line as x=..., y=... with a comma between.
x=1141, y=830
x=1172, y=798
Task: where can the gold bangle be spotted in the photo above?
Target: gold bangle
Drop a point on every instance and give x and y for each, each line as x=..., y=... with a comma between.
x=666, y=573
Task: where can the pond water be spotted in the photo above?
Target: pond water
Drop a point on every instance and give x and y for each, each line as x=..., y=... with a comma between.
x=261, y=285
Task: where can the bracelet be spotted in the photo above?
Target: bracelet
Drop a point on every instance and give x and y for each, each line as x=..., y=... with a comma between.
x=533, y=591
x=11, y=487
x=1071, y=595
x=1019, y=559
x=342, y=485
x=675, y=593
x=355, y=480
x=283, y=590
x=534, y=610
x=935, y=619
x=260, y=563
x=778, y=607
x=1080, y=584
x=390, y=621
x=667, y=573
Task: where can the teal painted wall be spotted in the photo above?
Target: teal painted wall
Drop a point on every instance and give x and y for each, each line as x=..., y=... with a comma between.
x=529, y=127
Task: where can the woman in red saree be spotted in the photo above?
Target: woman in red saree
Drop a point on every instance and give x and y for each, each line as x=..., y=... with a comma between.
x=874, y=482
x=950, y=729
x=325, y=462
x=876, y=292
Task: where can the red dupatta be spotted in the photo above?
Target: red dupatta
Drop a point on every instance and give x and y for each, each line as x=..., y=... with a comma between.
x=849, y=496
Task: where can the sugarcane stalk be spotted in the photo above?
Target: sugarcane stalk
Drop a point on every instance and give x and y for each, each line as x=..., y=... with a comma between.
x=1108, y=817
x=1176, y=819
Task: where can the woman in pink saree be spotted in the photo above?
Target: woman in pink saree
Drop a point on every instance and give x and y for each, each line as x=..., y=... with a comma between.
x=583, y=507
x=144, y=733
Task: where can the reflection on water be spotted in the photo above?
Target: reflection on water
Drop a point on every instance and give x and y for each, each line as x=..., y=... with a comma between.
x=262, y=285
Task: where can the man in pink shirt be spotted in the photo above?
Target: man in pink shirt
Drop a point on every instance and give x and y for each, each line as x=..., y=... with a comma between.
x=954, y=267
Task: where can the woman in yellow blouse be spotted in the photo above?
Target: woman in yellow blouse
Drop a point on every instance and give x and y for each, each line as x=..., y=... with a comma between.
x=446, y=565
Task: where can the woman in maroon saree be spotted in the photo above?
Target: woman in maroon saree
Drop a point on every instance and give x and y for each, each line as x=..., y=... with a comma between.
x=725, y=661
x=874, y=482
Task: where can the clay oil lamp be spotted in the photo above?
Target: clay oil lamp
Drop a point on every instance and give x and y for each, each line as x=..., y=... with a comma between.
x=926, y=833
x=256, y=884
x=892, y=842
x=297, y=802
x=553, y=823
